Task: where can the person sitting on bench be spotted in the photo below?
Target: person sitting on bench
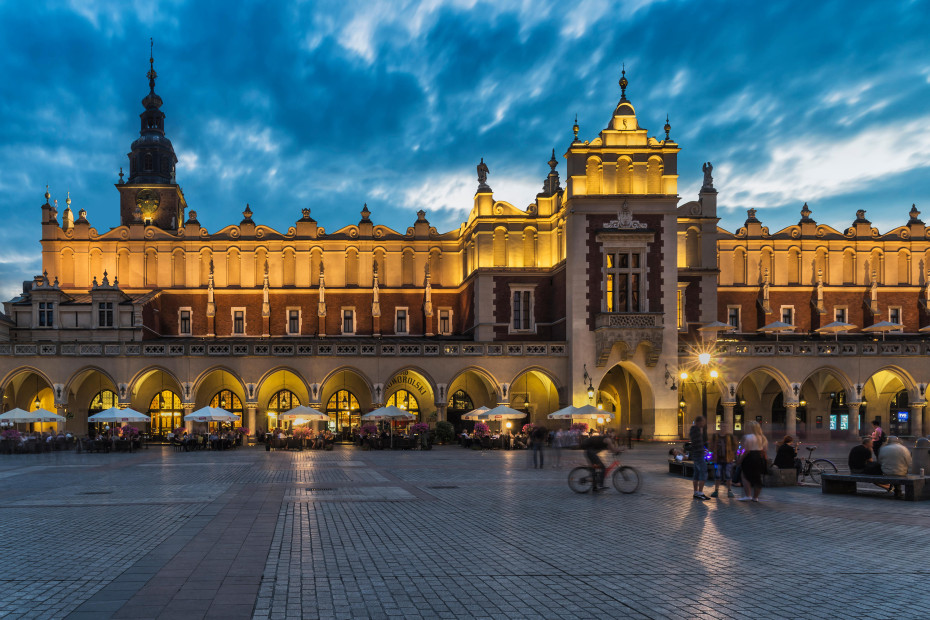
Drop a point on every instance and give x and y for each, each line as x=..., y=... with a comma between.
x=895, y=460
x=860, y=459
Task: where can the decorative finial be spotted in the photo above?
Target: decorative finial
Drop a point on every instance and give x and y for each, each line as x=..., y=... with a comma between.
x=365, y=212
x=151, y=75
x=120, y=175
x=668, y=127
x=575, y=128
x=623, y=83
x=47, y=195
x=247, y=214
x=68, y=200
x=553, y=162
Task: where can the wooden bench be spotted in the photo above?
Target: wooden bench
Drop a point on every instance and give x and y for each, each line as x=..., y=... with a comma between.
x=915, y=489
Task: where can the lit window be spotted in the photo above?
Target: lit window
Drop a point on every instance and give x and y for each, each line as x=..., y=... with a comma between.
x=623, y=287
x=445, y=321
x=184, y=327
x=400, y=322
x=46, y=314
x=348, y=321
x=105, y=314
x=238, y=320
x=402, y=399
x=293, y=321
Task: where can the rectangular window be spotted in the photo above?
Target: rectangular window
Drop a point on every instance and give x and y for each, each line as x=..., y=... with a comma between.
x=184, y=325
x=733, y=317
x=238, y=320
x=681, y=310
x=400, y=321
x=787, y=315
x=624, y=278
x=839, y=314
x=894, y=316
x=46, y=314
x=348, y=321
x=293, y=321
x=445, y=321
x=522, y=310
x=105, y=314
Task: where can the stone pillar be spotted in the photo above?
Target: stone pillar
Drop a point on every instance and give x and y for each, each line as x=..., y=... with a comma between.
x=188, y=409
x=60, y=410
x=250, y=417
x=728, y=415
x=791, y=419
x=917, y=420
x=441, y=412
x=854, y=430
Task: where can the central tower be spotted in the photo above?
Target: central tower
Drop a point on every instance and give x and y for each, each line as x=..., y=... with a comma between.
x=151, y=196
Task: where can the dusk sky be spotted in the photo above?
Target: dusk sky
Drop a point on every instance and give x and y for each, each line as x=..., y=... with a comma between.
x=329, y=105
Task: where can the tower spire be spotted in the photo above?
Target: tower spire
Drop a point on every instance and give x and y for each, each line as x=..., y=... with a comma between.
x=151, y=75
x=623, y=83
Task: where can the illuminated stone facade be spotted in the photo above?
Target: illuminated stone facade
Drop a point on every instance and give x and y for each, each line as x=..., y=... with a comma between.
x=603, y=282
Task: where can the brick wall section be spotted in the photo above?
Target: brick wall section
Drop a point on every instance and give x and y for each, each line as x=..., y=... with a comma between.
x=692, y=299
x=913, y=314
x=548, y=305
x=655, y=279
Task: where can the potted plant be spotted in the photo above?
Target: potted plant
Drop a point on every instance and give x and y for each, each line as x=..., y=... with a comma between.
x=445, y=432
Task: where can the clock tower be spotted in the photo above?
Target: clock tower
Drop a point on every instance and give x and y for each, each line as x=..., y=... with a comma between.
x=151, y=196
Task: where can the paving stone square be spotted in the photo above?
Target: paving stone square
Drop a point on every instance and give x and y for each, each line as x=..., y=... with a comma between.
x=446, y=533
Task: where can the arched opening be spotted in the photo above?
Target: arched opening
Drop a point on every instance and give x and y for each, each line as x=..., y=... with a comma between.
x=206, y=261
x=29, y=390
x=151, y=268
x=402, y=399
x=849, y=267
x=178, y=269
x=344, y=412
x=435, y=267
x=167, y=413
x=103, y=400
x=290, y=267
x=469, y=390
x=417, y=387
x=408, y=275
x=824, y=412
x=794, y=266
x=280, y=402
x=316, y=261
x=624, y=175
x=534, y=393
x=500, y=247
x=276, y=382
x=693, y=248
x=351, y=267
x=885, y=397
x=759, y=396
x=654, y=176
x=739, y=266
x=593, y=176
x=233, y=267
x=529, y=247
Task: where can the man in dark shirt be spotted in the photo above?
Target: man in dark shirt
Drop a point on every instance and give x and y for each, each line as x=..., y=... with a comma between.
x=593, y=446
x=860, y=459
x=698, y=437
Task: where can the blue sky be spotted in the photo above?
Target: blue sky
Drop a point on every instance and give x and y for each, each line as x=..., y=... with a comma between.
x=329, y=105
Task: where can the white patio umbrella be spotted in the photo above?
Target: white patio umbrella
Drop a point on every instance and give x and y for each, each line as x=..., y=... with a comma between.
x=476, y=414
x=835, y=328
x=585, y=412
x=716, y=326
x=883, y=327
x=776, y=327
x=211, y=414
x=562, y=414
x=115, y=414
x=389, y=413
x=302, y=412
x=18, y=415
x=924, y=329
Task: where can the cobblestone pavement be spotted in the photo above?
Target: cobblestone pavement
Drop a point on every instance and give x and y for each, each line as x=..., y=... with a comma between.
x=448, y=533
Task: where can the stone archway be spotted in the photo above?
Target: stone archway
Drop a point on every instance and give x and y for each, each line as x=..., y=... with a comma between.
x=411, y=390
x=535, y=393
x=472, y=388
x=345, y=394
x=29, y=389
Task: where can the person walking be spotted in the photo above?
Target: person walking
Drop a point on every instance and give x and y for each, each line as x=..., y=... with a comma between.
x=698, y=437
x=723, y=449
x=557, y=442
x=538, y=437
x=878, y=436
x=753, y=462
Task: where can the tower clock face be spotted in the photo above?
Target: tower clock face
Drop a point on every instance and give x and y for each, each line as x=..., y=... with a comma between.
x=147, y=201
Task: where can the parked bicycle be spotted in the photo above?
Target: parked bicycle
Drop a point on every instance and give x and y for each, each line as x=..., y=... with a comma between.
x=625, y=478
x=815, y=467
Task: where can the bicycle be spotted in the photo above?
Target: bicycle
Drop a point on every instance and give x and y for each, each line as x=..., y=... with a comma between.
x=815, y=467
x=625, y=478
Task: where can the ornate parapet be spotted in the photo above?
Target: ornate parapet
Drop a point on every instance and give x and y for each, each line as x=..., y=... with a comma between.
x=630, y=330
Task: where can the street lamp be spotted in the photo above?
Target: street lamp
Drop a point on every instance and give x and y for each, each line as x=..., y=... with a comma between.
x=704, y=372
x=587, y=378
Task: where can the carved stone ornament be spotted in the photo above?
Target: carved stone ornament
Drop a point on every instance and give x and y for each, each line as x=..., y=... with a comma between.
x=625, y=220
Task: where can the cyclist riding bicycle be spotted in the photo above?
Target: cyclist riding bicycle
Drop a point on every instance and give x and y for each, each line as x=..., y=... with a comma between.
x=594, y=445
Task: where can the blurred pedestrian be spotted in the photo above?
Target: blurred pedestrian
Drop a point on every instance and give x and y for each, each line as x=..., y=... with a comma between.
x=753, y=462
x=698, y=436
x=538, y=439
x=723, y=450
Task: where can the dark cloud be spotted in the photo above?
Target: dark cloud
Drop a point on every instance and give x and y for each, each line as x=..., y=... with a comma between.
x=332, y=104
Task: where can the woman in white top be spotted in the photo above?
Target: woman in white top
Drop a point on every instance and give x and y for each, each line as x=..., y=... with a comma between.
x=753, y=461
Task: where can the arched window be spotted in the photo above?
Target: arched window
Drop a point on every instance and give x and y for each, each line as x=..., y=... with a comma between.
x=529, y=248
x=406, y=268
x=233, y=268
x=693, y=248
x=739, y=266
x=316, y=258
x=290, y=267
x=343, y=408
x=461, y=401
x=904, y=267
x=402, y=399
x=351, y=267
x=654, y=176
x=794, y=266
x=435, y=270
x=147, y=165
x=849, y=267
x=226, y=399
x=151, y=268
x=105, y=399
x=500, y=247
x=593, y=173
x=166, y=412
x=178, y=268
x=624, y=175
x=283, y=401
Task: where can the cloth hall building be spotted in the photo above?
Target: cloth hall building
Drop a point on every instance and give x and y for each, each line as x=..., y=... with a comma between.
x=599, y=287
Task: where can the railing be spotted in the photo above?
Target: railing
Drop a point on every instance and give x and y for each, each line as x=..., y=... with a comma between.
x=625, y=320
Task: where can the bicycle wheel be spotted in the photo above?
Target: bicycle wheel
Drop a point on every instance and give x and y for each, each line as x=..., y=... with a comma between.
x=821, y=466
x=580, y=480
x=626, y=479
